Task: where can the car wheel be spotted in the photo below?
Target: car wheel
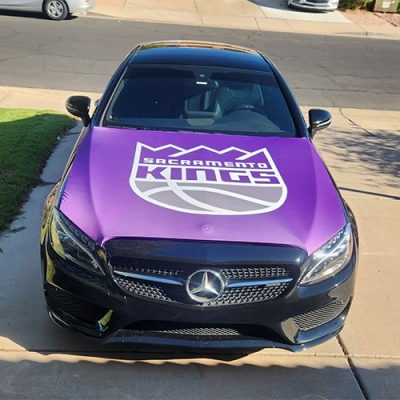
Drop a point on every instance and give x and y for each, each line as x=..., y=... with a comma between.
x=56, y=9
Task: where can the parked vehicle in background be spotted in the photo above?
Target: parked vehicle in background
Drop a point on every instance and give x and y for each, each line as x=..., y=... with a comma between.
x=314, y=5
x=54, y=9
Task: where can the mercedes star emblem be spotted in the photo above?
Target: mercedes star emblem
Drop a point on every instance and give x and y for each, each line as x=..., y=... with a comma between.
x=204, y=286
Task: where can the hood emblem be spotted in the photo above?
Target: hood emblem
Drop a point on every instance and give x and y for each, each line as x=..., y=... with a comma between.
x=204, y=286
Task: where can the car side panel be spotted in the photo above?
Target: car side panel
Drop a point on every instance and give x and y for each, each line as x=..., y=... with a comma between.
x=22, y=5
x=74, y=6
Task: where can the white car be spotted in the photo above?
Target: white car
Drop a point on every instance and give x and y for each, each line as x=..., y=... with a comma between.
x=317, y=5
x=55, y=9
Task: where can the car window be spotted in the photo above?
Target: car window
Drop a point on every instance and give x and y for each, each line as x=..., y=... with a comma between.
x=200, y=99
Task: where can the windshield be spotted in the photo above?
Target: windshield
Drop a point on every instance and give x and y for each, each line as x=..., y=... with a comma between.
x=200, y=99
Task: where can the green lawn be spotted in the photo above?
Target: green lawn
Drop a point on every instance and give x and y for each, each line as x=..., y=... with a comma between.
x=27, y=138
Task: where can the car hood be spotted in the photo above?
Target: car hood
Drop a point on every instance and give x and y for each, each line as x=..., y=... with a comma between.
x=196, y=186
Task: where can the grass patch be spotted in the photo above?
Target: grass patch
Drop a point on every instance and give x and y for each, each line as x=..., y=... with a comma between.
x=27, y=138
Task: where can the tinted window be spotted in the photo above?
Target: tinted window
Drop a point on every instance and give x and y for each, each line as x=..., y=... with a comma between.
x=201, y=99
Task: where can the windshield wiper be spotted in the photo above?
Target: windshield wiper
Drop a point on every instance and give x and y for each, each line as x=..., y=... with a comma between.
x=113, y=124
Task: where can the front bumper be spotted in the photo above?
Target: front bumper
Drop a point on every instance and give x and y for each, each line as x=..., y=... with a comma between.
x=96, y=307
x=315, y=5
x=80, y=6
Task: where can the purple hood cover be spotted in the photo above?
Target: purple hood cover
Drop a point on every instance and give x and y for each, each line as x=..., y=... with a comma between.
x=173, y=185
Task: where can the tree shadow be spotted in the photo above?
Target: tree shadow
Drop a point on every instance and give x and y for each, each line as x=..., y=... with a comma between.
x=62, y=377
x=361, y=160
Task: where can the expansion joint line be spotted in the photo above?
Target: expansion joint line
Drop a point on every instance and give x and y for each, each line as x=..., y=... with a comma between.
x=353, y=368
x=358, y=126
x=387, y=20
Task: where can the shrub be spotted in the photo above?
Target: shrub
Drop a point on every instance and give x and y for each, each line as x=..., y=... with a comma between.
x=354, y=4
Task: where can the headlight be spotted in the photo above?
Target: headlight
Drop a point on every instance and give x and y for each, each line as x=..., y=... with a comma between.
x=331, y=258
x=70, y=243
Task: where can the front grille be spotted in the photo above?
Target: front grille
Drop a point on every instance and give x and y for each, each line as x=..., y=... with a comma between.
x=321, y=316
x=255, y=272
x=249, y=294
x=140, y=265
x=75, y=306
x=151, y=290
x=152, y=279
x=318, y=1
x=170, y=268
x=237, y=295
x=206, y=331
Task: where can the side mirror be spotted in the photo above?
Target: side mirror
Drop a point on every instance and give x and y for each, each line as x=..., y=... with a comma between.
x=319, y=119
x=79, y=106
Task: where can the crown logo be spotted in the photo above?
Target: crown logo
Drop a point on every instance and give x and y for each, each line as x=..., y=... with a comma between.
x=203, y=180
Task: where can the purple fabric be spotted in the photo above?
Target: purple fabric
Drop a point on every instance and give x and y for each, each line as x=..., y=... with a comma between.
x=201, y=187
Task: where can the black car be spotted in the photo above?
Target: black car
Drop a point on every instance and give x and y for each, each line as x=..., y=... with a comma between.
x=194, y=210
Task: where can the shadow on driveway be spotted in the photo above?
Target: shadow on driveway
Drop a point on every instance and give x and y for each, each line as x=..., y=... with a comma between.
x=363, y=161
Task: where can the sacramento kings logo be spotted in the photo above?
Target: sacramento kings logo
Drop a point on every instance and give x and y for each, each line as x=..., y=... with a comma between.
x=202, y=180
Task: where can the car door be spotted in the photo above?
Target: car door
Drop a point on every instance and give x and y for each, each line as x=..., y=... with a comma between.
x=23, y=4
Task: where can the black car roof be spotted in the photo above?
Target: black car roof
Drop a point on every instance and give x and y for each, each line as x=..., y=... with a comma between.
x=198, y=53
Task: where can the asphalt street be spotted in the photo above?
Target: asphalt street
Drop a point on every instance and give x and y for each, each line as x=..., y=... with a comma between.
x=82, y=53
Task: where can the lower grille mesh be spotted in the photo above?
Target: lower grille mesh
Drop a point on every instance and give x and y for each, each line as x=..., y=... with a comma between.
x=191, y=329
x=316, y=318
x=75, y=306
x=188, y=330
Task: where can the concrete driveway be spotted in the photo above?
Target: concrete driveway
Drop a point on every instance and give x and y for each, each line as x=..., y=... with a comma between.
x=40, y=360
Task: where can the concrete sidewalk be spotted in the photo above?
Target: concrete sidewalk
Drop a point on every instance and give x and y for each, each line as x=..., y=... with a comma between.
x=264, y=15
x=38, y=360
